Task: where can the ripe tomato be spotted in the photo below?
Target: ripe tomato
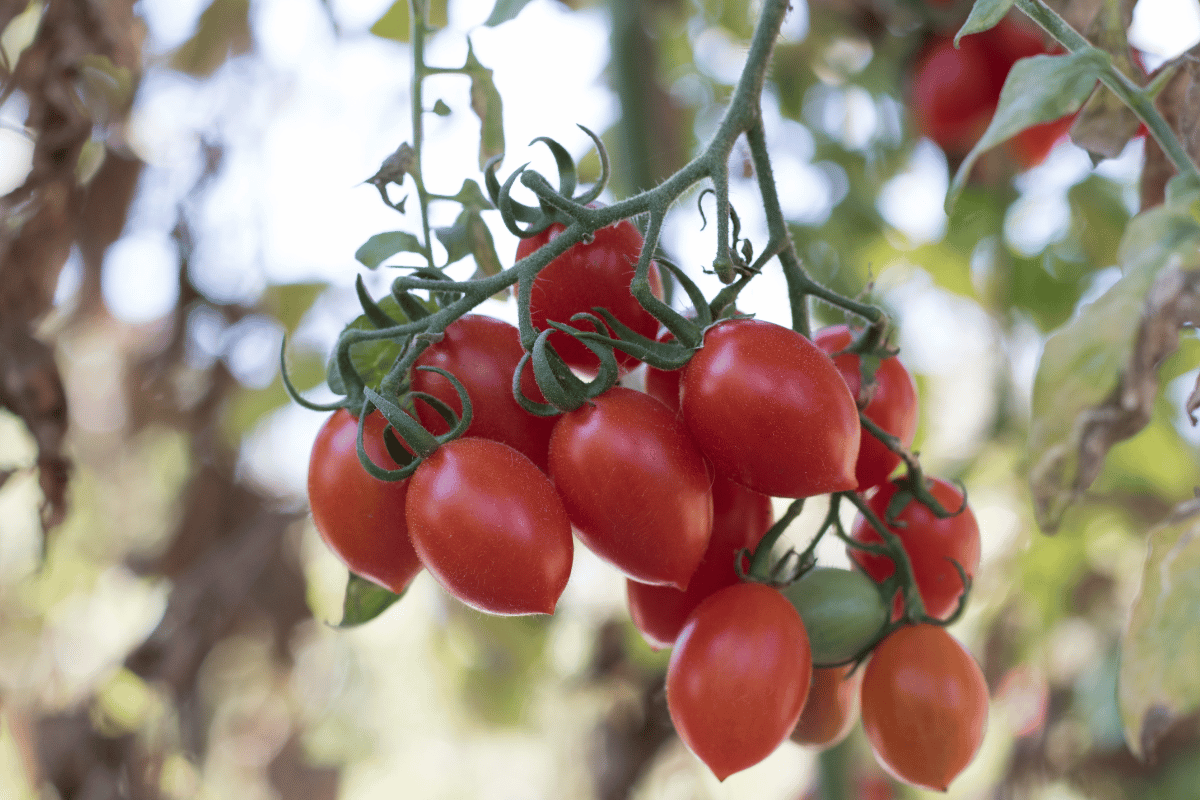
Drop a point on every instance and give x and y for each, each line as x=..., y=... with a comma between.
x=489, y=527
x=738, y=677
x=483, y=353
x=1031, y=146
x=954, y=91
x=770, y=410
x=360, y=517
x=924, y=706
x=831, y=709
x=843, y=612
x=740, y=518
x=892, y=406
x=929, y=541
x=590, y=274
x=634, y=485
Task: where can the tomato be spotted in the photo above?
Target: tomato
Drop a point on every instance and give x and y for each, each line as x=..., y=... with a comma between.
x=930, y=543
x=740, y=518
x=634, y=486
x=843, y=612
x=831, y=709
x=360, y=517
x=490, y=528
x=483, y=353
x=892, y=406
x=661, y=384
x=954, y=92
x=738, y=677
x=770, y=410
x=1031, y=146
x=590, y=274
x=924, y=706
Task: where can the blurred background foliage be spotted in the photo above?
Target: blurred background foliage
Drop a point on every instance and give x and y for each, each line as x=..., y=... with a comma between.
x=181, y=195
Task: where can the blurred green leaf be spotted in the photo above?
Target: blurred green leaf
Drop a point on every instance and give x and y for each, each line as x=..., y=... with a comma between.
x=364, y=601
x=486, y=103
x=394, y=23
x=441, y=109
x=248, y=406
x=1038, y=89
x=469, y=236
x=984, y=14
x=382, y=246
x=472, y=197
x=289, y=302
x=504, y=10
x=223, y=31
x=1158, y=680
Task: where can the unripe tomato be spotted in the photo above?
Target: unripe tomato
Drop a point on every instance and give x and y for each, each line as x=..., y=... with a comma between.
x=831, y=709
x=740, y=518
x=843, y=612
x=738, y=677
x=483, y=353
x=924, y=706
x=490, y=528
x=634, y=485
x=590, y=274
x=930, y=542
x=360, y=517
x=892, y=406
x=770, y=410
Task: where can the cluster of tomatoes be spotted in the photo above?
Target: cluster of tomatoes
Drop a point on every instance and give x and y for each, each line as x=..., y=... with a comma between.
x=672, y=486
x=955, y=90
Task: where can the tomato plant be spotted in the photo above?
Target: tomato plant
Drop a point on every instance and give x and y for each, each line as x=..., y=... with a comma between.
x=490, y=528
x=738, y=677
x=931, y=542
x=740, y=518
x=842, y=610
x=770, y=410
x=360, y=517
x=595, y=273
x=924, y=706
x=634, y=485
x=831, y=709
x=891, y=403
x=483, y=353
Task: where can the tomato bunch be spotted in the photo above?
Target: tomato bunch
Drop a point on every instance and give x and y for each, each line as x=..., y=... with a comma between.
x=488, y=456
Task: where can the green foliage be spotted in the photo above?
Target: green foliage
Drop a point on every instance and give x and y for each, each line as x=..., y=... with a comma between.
x=984, y=15
x=395, y=23
x=224, y=30
x=382, y=246
x=487, y=105
x=364, y=601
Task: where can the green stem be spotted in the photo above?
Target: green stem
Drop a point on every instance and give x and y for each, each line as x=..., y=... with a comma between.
x=760, y=563
x=833, y=766
x=418, y=12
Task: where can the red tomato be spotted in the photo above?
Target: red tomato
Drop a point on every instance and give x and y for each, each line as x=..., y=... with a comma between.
x=634, y=485
x=738, y=677
x=1031, y=146
x=740, y=518
x=590, y=274
x=483, y=353
x=929, y=542
x=770, y=410
x=360, y=517
x=490, y=528
x=893, y=406
x=954, y=92
x=831, y=709
x=924, y=706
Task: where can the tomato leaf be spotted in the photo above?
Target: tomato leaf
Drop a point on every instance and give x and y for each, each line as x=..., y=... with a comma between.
x=984, y=14
x=486, y=103
x=382, y=246
x=1097, y=379
x=223, y=32
x=1158, y=682
x=371, y=360
x=504, y=10
x=1038, y=89
x=469, y=236
x=364, y=601
x=471, y=197
x=289, y=302
x=394, y=23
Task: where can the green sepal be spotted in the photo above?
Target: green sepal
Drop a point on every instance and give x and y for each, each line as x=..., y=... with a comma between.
x=567, y=176
x=374, y=314
x=559, y=386
x=457, y=427
x=364, y=601
x=532, y=406
x=660, y=355
x=373, y=469
x=605, y=170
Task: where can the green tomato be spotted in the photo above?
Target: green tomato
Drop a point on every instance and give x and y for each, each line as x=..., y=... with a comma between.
x=842, y=612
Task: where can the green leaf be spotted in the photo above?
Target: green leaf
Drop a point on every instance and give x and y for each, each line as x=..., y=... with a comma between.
x=469, y=236
x=1038, y=89
x=457, y=237
x=248, y=406
x=472, y=197
x=441, y=109
x=394, y=23
x=289, y=302
x=504, y=10
x=984, y=14
x=364, y=601
x=382, y=246
x=1158, y=681
x=223, y=31
x=486, y=103
x=371, y=360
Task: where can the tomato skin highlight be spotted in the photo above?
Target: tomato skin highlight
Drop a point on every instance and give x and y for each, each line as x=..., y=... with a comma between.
x=770, y=410
x=483, y=352
x=831, y=709
x=893, y=406
x=740, y=518
x=490, y=528
x=738, y=677
x=590, y=274
x=360, y=518
x=634, y=485
x=929, y=542
x=924, y=706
